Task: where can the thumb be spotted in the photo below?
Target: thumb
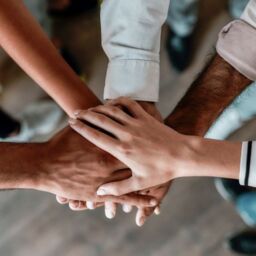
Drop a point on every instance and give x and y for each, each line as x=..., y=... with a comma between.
x=119, y=188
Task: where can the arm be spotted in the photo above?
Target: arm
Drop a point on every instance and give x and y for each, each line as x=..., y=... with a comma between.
x=23, y=39
x=155, y=153
x=216, y=84
x=216, y=87
x=60, y=167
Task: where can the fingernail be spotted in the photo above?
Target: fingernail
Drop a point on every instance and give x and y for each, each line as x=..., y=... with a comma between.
x=101, y=192
x=90, y=205
x=63, y=200
x=141, y=221
x=75, y=204
x=157, y=211
x=72, y=121
x=109, y=214
x=77, y=112
x=127, y=208
x=153, y=202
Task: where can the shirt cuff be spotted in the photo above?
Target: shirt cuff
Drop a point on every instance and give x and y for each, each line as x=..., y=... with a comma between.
x=136, y=79
x=248, y=164
x=236, y=45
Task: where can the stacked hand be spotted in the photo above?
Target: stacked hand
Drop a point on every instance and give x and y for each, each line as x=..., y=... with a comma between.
x=130, y=134
x=158, y=192
x=74, y=168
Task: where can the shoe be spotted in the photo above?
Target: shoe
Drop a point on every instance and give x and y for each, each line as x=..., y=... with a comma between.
x=76, y=7
x=38, y=119
x=243, y=243
x=246, y=206
x=230, y=190
x=179, y=50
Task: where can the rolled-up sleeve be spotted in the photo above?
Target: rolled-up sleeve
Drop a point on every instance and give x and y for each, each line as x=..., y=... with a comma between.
x=131, y=32
x=237, y=42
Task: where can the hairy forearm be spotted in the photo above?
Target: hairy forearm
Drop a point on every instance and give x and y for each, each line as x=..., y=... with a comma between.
x=23, y=39
x=20, y=165
x=216, y=87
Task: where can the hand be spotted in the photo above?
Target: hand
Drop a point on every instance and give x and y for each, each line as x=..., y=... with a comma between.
x=145, y=145
x=110, y=208
x=74, y=168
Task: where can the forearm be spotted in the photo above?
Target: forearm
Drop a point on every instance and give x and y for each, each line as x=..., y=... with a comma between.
x=211, y=158
x=23, y=39
x=217, y=86
x=20, y=166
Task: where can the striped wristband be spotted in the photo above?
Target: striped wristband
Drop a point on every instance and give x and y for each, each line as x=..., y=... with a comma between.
x=248, y=164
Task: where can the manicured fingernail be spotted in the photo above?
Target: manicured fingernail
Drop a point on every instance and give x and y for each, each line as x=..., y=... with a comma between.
x=109, y=214
x=90, y=205
x=77, y=112
x=72, y=121
x=101, y=192
x=127, y=208
x=153, y=202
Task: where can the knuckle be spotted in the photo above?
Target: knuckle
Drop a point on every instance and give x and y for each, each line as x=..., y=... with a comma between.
x=114, y=109
x=101, y=119
x=114, y=191
x=125, y=148
x=82, y=113
x=127, y=135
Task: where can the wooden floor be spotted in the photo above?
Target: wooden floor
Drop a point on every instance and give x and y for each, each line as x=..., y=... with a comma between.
x=194, y=220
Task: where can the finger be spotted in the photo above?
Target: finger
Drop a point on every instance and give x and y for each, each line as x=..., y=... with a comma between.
x=62, y=200
x=143, y=214
x=157, y=211
x=132, y=106
x=102, y=121
x=120, y=187
x=99, y=139
x=76, y=205
x=91, y=205
x=113, y=112
x=127, y=208
x=110, y=210
x=130, y=199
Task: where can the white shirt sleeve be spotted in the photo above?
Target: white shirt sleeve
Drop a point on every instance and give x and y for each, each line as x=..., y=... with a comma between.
x=236, y=43
x=131, y=32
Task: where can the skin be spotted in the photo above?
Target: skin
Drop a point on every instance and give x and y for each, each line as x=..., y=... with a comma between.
x=21, y=47
x=44, y=65
x=60, y=167
x=220, y=80
x=148, y=147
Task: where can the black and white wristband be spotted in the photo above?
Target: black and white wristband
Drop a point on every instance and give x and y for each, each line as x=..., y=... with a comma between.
x=248, y=164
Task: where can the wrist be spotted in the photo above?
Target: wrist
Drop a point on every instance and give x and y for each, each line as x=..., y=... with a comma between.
x=188, y=156
x=211, y=158
x=36, y=157
x=21, y=165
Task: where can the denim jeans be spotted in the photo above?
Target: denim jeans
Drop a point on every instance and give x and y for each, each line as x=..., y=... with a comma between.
x=246, y=206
